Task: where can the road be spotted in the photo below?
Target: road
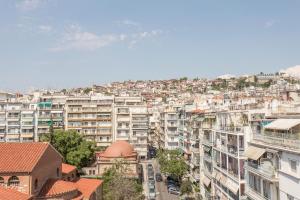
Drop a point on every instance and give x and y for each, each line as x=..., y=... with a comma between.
x=161, y=188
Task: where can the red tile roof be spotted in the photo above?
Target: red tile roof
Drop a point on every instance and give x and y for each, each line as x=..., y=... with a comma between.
x=12, y=194
x=20, y=157
x=66, y=168
x=88, y=186
x=54, y=187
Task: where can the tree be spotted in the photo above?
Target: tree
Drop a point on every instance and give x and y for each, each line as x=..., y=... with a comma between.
x=72, y=146
x=116, y=186
x=186, y=187
x=172, y=163
x=87, y=90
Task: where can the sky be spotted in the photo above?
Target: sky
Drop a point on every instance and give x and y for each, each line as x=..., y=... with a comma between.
x=77, y=43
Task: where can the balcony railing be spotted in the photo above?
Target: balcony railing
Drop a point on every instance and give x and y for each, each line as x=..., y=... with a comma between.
x=293, y=143
x=232, y=149
x=265, y=169
x=233, y=129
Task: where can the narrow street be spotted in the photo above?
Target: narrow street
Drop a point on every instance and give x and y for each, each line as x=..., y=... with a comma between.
x=161, y=188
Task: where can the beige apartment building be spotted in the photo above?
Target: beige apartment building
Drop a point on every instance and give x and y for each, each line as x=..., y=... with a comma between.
x=92, y=117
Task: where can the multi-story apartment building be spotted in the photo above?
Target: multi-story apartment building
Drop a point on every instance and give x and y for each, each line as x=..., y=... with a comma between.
x=169, y=135
x=205, y=125
x=132, y=123
x=50, y=111
x=17, y=122
x=92, y=117
x=273, y=170
x=224, y=137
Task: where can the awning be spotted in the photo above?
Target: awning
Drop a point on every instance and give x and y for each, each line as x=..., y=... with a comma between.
x=223, y=180
x=214, y=174
x=224, y=197
x=283, y=124
x=254, y=153
x=27, y=135
x=206, y=181
x=218, y=176
x=232, y=186
x=207, y=149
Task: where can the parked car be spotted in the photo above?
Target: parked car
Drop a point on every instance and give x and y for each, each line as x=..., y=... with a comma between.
x=158, y=177
x=174, y=190
x=152, y=194
x=151, y=184
x=151, y=177
x=150, y=166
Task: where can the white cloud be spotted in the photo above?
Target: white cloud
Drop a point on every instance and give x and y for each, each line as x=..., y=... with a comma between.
x=269, y=24
x=128, y=22
x=76, y=39
x=27, y=5
x=136, y=37
x=292, y=71
x=45, y=28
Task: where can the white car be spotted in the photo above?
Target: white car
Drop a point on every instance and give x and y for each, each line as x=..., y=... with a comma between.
x=152, y=194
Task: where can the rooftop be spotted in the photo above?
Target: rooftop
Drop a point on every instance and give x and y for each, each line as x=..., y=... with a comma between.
x=118, y=149
x=12, y=194
x=66, y=168
x=21, y=157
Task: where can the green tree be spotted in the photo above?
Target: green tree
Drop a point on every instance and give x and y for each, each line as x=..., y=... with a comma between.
x=87, y=90
x=172, y=163
x=186, y=187
x=72, y=146
x=117, y=186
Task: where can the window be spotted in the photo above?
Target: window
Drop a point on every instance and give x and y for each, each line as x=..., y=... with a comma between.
x=13, y=181
x=57, y=172
x=293, y=165
x=36, y=184
x=1, y=180
x=290, y=197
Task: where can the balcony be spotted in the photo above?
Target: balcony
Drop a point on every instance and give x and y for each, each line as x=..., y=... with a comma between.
x=280, y=141
x=206, y=126
x=207, y=141
x=264, y=169
x=123, y=111
x=195, y=161
x=253, y=194
x=195, y=176
x=231, y=129
x=207, y=157
x=233, y=149
x=123, y=127
x=139, y=127
x=103, y=118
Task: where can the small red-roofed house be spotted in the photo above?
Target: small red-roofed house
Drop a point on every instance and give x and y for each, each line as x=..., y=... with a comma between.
x=32, y=171
x=90, y=189
x=69, y=172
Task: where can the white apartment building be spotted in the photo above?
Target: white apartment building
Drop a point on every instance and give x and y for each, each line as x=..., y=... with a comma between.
x=50, y=111
x=17, y=122
x=224, y=137
x=273, y=167
x=132, y=123
x=92, y=117
x=169, y=135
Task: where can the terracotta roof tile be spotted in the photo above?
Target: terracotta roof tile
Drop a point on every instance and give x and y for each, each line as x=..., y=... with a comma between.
x=20, y=157
x=66, y=168
x=88, y=186
x=55, y=187
x=9, y=194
